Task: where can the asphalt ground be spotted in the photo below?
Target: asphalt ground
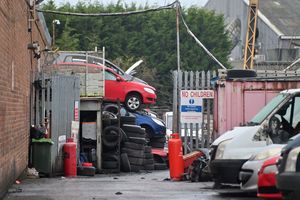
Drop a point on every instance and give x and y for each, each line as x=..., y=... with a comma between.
x=153, y=185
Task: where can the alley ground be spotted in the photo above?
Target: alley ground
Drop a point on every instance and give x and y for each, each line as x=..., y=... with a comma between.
x=136, y=186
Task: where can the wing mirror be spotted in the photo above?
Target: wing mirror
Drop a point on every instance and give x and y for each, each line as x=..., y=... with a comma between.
x=119, y=79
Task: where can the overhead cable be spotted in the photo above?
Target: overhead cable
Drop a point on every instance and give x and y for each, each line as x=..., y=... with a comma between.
x=169, y=6
x=199, y=42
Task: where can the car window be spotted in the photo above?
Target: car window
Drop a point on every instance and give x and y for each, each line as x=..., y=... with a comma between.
x=296, y=113
x=110, y=76
x=263, y=113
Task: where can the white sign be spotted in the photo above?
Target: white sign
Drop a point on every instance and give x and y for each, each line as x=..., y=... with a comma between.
x=75, y=130
x=191, y=105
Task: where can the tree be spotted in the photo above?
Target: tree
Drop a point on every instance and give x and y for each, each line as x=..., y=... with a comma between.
x=150, y=36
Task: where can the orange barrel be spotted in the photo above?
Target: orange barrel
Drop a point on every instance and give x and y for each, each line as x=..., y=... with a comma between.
x=70, y=164
x=175, y=157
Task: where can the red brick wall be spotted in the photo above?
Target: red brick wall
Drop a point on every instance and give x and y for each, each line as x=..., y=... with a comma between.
x=16, y=66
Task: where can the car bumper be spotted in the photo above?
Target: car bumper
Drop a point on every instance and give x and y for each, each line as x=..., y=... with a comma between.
x=149, y=98
x=289, y=182
x=267, y=187
x=226, y=171
x=248, y=175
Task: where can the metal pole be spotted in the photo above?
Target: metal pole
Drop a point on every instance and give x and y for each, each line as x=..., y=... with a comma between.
x=53, y=35
x=178, y=68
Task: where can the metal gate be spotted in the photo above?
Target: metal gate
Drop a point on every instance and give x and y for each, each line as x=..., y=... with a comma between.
x=198, y=135
x=55, y=100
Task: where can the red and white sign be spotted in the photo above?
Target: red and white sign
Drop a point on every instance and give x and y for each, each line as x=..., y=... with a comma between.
x=204, y=94
x=191, y=105
x=76, y=111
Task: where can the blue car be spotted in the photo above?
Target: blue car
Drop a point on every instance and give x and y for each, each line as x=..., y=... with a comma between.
x=155, y=127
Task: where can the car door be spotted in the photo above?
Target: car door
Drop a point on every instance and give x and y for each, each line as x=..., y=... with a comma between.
x=114, y=87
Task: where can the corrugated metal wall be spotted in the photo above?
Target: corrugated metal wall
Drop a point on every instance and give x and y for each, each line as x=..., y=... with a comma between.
x=65, y=91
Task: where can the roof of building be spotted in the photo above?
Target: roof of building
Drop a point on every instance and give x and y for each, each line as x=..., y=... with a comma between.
x=284, y=14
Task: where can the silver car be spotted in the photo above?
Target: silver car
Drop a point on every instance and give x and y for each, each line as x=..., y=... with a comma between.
x=248, y=175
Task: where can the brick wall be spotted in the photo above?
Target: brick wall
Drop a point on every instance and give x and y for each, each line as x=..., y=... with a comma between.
x=16, y=66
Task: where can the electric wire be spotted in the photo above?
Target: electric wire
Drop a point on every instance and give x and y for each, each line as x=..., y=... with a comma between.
x=199, y=42
x=169, y=6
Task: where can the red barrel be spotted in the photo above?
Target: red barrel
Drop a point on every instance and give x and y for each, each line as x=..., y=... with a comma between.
x=70, y=164
x=175, y=157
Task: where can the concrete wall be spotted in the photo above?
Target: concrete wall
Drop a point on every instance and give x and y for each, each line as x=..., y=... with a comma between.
x=16, y=66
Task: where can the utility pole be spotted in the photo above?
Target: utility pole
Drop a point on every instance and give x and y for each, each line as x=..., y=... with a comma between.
x=176, y=111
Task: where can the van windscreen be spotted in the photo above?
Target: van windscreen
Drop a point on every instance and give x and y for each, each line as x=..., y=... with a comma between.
x=263, y=113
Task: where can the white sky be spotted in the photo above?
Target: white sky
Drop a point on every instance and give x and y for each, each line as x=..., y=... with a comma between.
x=184, y=3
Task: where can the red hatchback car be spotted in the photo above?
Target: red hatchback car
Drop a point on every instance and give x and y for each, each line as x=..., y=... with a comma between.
x=267, y=180
x=132, y=94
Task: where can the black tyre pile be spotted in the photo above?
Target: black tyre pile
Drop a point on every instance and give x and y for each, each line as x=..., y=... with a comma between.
x=125, y=148
x=135, y=149
x=111, y=139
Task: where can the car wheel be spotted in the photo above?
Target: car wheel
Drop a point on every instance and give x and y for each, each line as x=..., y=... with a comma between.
x=133, y=102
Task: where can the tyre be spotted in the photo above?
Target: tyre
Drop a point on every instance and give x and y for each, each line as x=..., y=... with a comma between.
x=128, y=120
x=110, y=164
x=135, y=135
x=137, y=140
x=109, y=118
x=160, y=166
x=148, y=156
x=148, y=149
x=157, y=145
x=133, y=128
x=133, y=102
x=113, y=108
x=135, y=168
x=134, y=146
x=133, y=153
x=149, y=132
x=125, y=164
x=136, y=161
x=110, y=136
x=148, y=161
x=110, y=156
x=240, y=73
x=149, y=167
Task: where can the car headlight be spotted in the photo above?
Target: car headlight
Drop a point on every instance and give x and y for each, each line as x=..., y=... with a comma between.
x=270, y=169
x=157, y=121
x=221, y=148
x=266, y=154
x=291, y=161
x=149, y=90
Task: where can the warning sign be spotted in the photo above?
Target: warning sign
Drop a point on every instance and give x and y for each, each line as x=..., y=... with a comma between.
x=191, y=105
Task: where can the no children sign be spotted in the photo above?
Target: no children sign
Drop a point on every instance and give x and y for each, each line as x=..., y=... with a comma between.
x=191, y=105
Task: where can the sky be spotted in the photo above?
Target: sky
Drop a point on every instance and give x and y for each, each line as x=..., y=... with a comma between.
x=184, y=3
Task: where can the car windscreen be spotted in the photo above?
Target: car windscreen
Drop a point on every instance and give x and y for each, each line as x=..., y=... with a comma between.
x=263, y=113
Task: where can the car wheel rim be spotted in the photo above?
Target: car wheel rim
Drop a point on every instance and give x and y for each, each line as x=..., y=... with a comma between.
x=133, y=103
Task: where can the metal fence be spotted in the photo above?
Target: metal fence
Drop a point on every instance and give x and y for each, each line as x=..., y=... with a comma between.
x=198, y=135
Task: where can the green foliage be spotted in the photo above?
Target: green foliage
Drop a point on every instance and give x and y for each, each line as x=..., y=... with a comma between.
x=150, y=36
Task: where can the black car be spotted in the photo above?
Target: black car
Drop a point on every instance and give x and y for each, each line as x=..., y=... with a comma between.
x=288, y=177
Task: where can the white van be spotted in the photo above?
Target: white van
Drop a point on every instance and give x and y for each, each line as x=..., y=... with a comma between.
x=274, y=124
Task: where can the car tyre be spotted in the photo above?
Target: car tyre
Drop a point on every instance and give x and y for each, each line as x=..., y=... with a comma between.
x=133, y=102
x=125, y=164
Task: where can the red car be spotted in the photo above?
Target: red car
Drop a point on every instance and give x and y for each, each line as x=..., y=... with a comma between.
x=133, y=94
x=267, y=180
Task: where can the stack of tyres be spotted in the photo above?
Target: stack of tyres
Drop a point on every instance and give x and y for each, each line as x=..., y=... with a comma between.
x=148, y=159
x=134, y=147
x=111, y=138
